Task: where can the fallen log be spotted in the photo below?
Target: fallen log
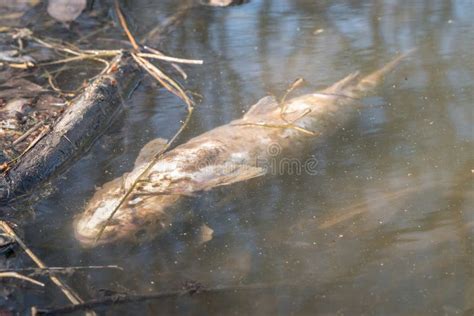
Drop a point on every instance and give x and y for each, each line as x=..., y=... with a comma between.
x=87, y=117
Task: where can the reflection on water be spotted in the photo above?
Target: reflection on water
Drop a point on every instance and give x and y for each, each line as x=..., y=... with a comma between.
x=387, y=224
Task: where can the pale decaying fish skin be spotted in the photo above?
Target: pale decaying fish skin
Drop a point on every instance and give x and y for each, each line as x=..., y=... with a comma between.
x=224, y=155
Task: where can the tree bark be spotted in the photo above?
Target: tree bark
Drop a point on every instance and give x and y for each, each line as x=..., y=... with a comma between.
x=88, y=116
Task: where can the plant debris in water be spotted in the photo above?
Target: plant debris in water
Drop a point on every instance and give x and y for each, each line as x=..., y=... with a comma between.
x=24, y=120
x=32, y=99
x=26, y=110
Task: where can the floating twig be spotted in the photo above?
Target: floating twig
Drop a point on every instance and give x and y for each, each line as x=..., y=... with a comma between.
x=175, y=66
x=72, y=296
x=16, y=275
x=6, y=166
x=281, y=126
x=53, y=85
x=59, y=270
x=124, y=25
x=82, y=56
x=26, y=134
x=290, y=89
x=172, y=59
x=194, y=289
x=164, y=79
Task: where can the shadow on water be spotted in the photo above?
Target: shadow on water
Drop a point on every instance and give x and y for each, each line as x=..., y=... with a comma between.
x=386, y=226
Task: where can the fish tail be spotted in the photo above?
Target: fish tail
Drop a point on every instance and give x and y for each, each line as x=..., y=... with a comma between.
x=355, y=86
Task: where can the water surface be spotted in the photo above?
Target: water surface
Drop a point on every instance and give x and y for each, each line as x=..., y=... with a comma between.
x=385, y=226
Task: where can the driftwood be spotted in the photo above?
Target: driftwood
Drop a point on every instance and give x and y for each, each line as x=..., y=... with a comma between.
x=81, y=124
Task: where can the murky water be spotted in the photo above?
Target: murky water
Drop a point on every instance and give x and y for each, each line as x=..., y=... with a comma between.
x=385, y=226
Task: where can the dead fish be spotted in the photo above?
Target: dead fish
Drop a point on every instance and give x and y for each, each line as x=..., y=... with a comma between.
x=227, y=154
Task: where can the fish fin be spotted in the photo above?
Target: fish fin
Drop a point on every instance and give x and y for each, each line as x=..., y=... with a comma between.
x=373, y=79
x=340, y=86
x=263, y=106
x=150, y=150
x=205, y=234
x=355, y=86
x=231, y=173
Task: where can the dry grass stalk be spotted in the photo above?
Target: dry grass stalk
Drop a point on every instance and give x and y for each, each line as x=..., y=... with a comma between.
x=6, y=166
x=174, y=88
x=26, y=134
x=68, y=292
x=282, y=126
x=124, y=25
x=171, y=59
x=16, y=275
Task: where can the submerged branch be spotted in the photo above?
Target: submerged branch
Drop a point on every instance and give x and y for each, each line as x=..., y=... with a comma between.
x=72, y=296
x=59, y=270
x=194, y=289
x=161, y=29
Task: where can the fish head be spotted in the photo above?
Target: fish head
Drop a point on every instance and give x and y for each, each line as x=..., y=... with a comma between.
x=107, y=220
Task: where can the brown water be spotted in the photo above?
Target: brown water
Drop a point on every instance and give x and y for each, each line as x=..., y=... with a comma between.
x=386, y=226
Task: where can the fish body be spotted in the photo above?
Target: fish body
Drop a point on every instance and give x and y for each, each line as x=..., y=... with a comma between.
x=227, y=154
